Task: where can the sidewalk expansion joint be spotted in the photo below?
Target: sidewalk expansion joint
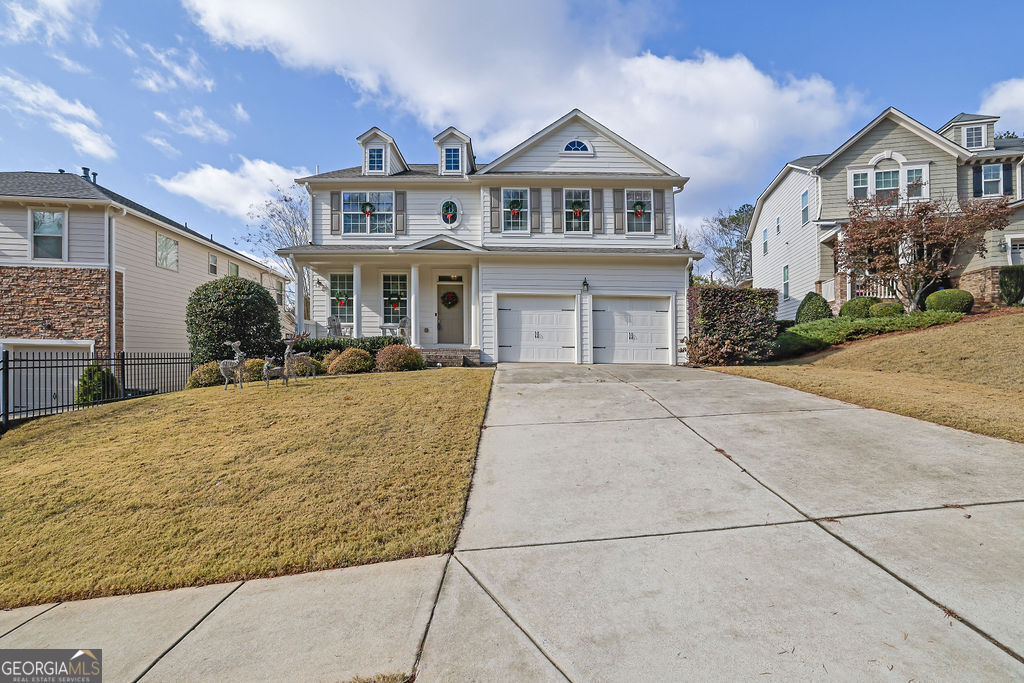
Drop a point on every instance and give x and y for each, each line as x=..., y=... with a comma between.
x=10, y=631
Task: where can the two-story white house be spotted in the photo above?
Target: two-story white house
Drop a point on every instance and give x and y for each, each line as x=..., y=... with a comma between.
x=799, y=217
x=559, y=250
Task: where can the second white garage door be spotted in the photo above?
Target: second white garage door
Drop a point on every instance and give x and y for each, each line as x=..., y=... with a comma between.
x=631, y=330
x=538, y=329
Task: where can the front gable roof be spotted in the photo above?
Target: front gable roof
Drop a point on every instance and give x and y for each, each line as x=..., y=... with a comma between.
x=453, y=132
x=577, y=115
x=967, y=118
x=441, y=243
x=390, y=141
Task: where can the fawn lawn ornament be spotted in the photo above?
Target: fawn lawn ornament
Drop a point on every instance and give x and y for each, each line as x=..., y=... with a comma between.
x=293, y=360
x=233, y=369
x=270, y=372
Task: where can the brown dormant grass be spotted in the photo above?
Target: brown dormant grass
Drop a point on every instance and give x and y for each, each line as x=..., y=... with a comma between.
x=968, y=375
x=205, y=486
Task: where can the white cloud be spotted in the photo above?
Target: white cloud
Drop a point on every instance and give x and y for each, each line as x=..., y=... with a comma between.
x=195, y=123
x=1006, y=100
x=49, y=22
x=232, y=192
x=171, y=69
x=72, y=119
x=240, y=113
x=166, y=148
x=717, y=118
x=68, y=64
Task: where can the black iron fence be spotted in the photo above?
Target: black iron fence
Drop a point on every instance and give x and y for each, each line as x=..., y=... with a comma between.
x=33, y=384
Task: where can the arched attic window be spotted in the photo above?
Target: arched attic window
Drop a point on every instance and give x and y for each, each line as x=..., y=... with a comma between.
x=576, y=146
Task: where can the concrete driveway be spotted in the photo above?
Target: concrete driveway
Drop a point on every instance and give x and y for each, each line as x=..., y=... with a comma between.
x=665, y=523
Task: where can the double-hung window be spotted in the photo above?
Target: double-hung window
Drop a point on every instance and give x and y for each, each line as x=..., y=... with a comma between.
x=279, y=292
x=915, y=183
x=860, y=185
x=974, y=137
x=638, y=211
x=778, y=224
x=232, y=269
x=375, y=159
x=805, y=209
x=577, y=210
x=166, y=252
x=515, y=210
x=764, y=241
x=992, y=180
x=785, y=282
x=48, y=234
x=342, y=292
x=887, y=186
x=212, y=266
x=452, y=159
x=395, y=292
x=368, y=213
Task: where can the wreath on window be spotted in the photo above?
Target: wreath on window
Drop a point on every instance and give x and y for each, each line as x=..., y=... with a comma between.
x=449, y=210
x=341, y=300
x=515, y=206
x=367, y=208
x=577, y=206
x=449, y=299
x=639, y=207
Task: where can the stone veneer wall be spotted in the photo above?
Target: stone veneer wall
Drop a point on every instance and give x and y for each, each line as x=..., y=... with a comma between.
x=982, y=283
x=57, y=303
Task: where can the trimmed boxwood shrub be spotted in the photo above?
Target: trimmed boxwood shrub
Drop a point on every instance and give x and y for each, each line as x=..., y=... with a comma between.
x=858, y=307
x=729, y=325
x=399, y=357
x=887, y=309
x=319, y=347
x=955, y=300
x=350, y=361
x=813, y=307
x=230, y=309
x=96, y=384
x=1011, y=284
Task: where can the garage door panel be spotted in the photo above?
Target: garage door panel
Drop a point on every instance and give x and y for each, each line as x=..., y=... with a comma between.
x=537, y=329
x=631, y=330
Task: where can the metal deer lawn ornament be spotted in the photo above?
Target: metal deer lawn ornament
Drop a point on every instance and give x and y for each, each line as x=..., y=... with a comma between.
x=271, y=372
x=233, y=369
x=291, y=359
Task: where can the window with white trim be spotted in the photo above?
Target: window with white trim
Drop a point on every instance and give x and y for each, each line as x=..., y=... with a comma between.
x=887, y=186
x=212, y=265
x=368, y=213
x=638, y=211
x=515, y=209
x=974, y=137
x=860, y=185
x=375, y=159
x=166, y=252
x=452, y=159
x=232, y=269
x=48, y=235
x=279, y=292
x=576, y=146
x=395, y=294
x=764, y=241
x=778, y=224
x=915, y=183
x=992, y=180
x=342, y=292
x=805, y=209
x=785, y=282
x=577, y=210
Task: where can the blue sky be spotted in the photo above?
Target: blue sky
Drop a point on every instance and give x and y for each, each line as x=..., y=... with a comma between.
x=192, y=108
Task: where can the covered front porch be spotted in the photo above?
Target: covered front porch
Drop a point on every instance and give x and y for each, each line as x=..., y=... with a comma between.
x=431, y=299
x=837, y=286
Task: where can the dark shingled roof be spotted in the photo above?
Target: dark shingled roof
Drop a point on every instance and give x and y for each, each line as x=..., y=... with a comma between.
x=965, y=118
x=809, y=161
x=74, y=186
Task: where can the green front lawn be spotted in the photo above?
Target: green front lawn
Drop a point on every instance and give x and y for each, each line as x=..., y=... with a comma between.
x=205, y=486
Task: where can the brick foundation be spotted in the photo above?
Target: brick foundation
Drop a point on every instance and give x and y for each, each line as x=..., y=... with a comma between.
x=452, y=358
x=982, y=283
x=58, y=303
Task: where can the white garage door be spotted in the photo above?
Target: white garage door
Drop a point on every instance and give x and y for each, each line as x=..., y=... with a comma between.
x=631, y=330
x=539, y=329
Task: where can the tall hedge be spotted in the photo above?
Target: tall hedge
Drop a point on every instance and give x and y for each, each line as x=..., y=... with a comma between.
x=729, y=325
x=231, y=309
x=1011, y=284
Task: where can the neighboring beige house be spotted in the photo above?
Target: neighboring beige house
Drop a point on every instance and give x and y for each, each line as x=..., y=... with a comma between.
x=798, y=218
x=559, y=250
x=83, y=268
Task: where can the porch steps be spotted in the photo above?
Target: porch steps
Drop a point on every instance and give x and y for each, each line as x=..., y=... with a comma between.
x=451, y=358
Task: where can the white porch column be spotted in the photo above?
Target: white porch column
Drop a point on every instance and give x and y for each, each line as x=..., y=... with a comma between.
x=300, y=298
x=474, y=307
x=357, y=300
x=414, y=304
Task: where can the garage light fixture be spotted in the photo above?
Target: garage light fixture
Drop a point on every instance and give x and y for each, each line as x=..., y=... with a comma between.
x=586, y=286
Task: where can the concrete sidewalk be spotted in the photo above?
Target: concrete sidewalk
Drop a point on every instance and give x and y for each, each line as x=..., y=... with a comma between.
x=638, y=523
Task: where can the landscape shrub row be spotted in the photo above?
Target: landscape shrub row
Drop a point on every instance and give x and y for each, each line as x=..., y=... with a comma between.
x=729, y=325
x=844, y=329
x=319, y=348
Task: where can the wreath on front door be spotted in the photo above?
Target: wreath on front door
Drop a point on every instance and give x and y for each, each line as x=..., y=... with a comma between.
x=639, y=207
x=367, y=208
x=449, y=299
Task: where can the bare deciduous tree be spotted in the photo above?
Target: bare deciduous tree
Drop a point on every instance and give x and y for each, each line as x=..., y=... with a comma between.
x=279, y=222
x=723, y=238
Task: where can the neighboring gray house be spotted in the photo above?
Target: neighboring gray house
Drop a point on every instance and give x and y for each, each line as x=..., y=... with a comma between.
x=797, y=219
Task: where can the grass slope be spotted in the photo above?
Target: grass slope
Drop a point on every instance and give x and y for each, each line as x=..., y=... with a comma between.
x=969, y=375
x=205, y=486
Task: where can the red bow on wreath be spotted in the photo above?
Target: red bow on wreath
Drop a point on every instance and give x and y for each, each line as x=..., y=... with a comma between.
x=577, y=207
x=639, y=208
x=514, y=206
x=394, y=304
x=367, y=208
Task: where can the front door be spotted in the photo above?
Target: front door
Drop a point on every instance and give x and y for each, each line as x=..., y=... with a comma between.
x=449, y=313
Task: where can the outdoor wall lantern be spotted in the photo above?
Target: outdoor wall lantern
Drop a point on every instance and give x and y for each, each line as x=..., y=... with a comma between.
x=1002, y=247
x=586, y=286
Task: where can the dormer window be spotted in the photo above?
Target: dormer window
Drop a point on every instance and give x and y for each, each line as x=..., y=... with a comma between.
x=375, y=160
x=576, y=146
x=974, y=137
x=452, y=159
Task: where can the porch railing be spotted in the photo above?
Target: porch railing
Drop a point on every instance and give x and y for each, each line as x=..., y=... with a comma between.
x=828, y=289
x=881, y=290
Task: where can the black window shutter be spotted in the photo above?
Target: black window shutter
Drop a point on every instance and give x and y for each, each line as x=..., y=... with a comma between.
x=1008, y=179
x=335, y=213
x=977, y=181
